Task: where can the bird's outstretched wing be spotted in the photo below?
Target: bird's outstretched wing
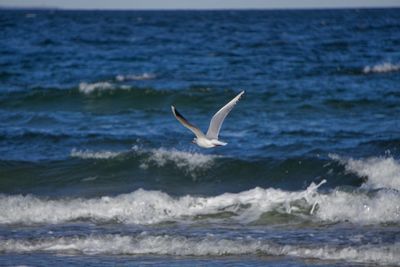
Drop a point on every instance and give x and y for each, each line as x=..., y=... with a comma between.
x=218, y=118
x=187, y=124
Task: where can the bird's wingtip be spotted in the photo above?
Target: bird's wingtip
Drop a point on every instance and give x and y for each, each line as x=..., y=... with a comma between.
x=241, y=93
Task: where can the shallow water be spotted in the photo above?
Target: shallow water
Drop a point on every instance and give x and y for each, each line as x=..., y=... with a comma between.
x=95, y=170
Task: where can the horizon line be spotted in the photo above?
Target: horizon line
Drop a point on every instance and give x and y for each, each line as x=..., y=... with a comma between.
x=197, y=9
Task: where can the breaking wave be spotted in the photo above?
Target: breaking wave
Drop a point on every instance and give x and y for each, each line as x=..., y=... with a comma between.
x=88, y=88
x=362, y=208
x=382, y=68
x=381, y=172
x=86, y=154
x=152, y=207
x=135, y=77
x=190, y=162
x=210, y=245
x=149, y=207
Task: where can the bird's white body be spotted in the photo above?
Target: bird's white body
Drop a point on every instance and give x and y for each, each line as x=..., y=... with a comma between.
x=208, y=143
x=211, y=138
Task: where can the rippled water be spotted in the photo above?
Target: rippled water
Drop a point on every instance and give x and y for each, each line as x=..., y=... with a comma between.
x=95, y=170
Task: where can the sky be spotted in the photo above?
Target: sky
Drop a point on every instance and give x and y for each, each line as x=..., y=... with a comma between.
x=197, y=4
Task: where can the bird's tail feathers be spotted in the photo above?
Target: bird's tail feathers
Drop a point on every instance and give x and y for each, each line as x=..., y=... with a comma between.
x=219, y=143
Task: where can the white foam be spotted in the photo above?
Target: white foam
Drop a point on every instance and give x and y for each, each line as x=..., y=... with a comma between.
x=381, y=68
x=149, y=207
x=86, y=154
x=135, y=77
x=382, y=172
x=152, y=207
x=382, y=255
x=208, y=245
x=189, y=162
x=88, y=88
x=361, y=208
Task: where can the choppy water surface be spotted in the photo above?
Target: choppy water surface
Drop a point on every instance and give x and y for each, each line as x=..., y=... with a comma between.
x=95, y=170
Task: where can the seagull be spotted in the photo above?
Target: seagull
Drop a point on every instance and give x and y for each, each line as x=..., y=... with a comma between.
x=211, y=138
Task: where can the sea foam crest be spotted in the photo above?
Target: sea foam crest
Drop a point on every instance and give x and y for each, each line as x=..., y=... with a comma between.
x=382, y=172
x=190, y=162
x=152, y=207
x=361, y=208
x=381, y=68
x=135, y=77
x=149, y=207
x=88, y=88
x=143, y=244
x=86, y=154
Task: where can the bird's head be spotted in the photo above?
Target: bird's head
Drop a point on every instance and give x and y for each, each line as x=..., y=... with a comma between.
x=194, y=141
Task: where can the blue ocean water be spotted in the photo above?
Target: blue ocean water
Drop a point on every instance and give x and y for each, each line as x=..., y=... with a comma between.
x=96, y=171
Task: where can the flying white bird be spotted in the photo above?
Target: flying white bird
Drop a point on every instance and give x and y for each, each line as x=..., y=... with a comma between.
x=211, y=138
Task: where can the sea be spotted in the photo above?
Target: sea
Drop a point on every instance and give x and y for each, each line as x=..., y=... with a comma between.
x=96, y=171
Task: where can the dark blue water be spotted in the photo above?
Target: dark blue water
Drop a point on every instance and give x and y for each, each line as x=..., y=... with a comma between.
x=96, y=171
